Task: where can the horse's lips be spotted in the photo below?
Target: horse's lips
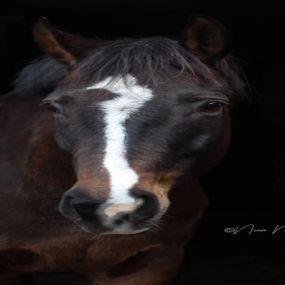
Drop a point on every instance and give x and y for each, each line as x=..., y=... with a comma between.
x=89, y=228
x=92, y=229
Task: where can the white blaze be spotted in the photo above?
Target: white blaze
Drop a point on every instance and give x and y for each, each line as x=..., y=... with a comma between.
x=131, y=97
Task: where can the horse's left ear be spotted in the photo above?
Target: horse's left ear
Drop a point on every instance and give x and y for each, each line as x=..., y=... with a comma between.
x=206, y=38
x=64, y=47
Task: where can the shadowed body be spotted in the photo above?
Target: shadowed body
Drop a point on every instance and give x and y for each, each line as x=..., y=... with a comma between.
x=36, y=171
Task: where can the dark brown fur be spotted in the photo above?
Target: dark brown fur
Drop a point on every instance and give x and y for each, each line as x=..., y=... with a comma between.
x=35, y=237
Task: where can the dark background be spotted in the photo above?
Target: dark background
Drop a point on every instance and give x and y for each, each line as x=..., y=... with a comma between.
x=248, y=186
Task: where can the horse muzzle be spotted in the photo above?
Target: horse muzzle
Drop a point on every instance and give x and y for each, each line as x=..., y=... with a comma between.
x=104, y=216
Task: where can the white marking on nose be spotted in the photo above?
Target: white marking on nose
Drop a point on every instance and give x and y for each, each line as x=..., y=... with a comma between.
x=132, y=97
x=114, y=209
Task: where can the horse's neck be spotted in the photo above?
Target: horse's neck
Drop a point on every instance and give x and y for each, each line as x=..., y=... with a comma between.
x=33, y=171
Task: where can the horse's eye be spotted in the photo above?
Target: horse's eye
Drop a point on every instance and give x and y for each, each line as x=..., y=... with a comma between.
x=212, y=107
x=53, y=106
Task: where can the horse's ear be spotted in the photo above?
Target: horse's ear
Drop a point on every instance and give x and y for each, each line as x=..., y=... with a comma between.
x=206, y=38
x=65, y=47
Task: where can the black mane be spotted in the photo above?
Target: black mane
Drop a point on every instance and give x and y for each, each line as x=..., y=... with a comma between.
x=146, y=59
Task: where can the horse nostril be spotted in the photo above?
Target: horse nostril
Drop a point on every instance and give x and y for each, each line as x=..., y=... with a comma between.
x=77, y=202
x=148, y=209
x=85, y=210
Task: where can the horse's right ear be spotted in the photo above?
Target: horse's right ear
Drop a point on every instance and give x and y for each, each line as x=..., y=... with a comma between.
x=65, y=47
x=206, y=38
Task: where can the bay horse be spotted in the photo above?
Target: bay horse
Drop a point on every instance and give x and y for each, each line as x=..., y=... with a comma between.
x=102, y=144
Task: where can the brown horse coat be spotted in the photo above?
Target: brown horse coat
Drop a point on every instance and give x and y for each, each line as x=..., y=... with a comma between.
x=34, y=237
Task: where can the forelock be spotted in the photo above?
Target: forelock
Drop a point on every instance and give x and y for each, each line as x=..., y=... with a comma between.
x=149, y=60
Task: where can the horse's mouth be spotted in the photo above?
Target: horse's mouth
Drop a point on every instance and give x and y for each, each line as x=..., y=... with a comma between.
x=96, y=229
x=99, y=228
x=114, y=231
x=93, y=218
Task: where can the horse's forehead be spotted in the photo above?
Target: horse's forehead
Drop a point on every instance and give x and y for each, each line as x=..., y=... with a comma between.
x=126, y=86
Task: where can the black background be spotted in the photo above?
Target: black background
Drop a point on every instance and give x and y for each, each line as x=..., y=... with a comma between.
x=248, y=186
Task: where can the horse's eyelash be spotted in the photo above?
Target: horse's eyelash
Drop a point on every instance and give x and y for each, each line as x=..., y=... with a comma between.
x=203, y=99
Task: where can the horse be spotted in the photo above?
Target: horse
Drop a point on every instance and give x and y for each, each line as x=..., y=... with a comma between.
x=102, y=145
